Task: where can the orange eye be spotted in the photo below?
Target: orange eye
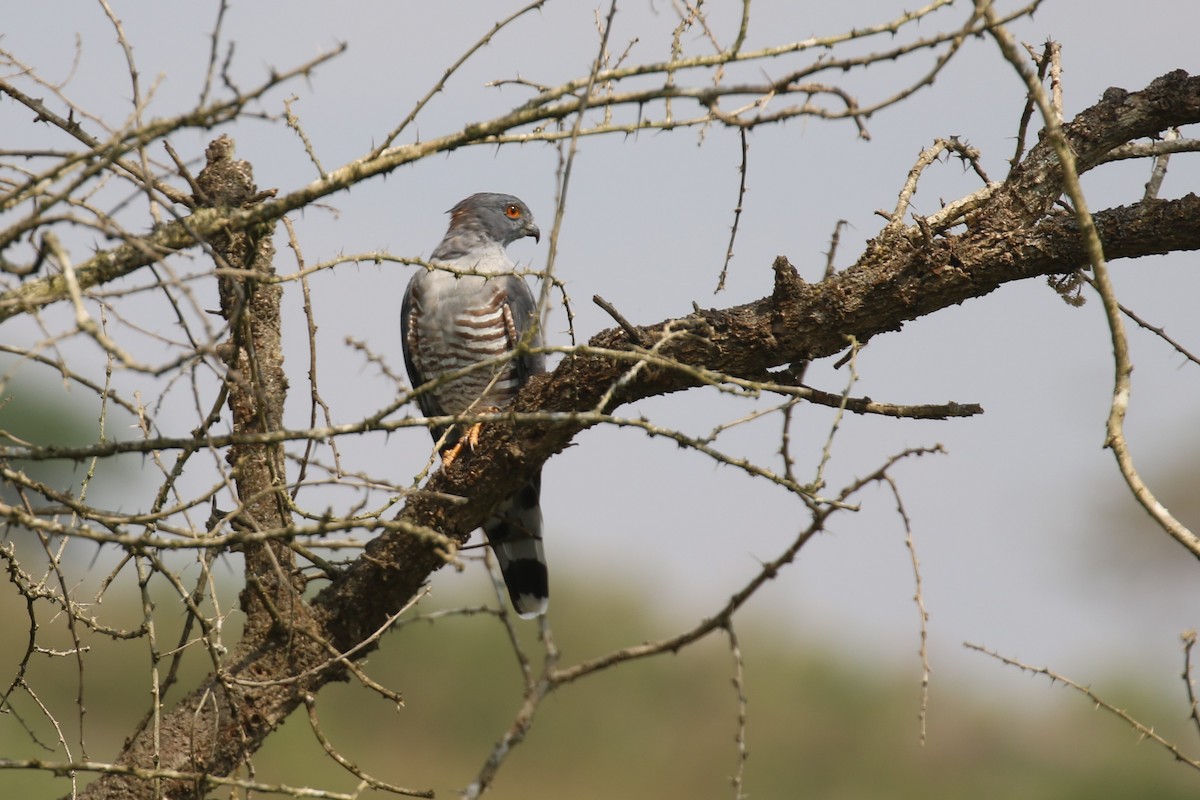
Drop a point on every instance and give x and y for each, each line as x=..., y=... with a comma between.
x=512, y=211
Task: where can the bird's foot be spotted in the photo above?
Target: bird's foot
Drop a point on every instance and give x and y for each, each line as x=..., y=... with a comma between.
x=470, y=440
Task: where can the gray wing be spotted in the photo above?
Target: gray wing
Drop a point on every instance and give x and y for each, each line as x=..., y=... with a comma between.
x=527, y=323
x=409, y=312
x=456, y=338
x=514, y=531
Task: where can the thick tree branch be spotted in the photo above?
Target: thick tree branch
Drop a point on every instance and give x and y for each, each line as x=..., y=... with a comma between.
x=895, y=281
x=904, y=274
x=1051, y=247
x=560, y=103
x=214, y=730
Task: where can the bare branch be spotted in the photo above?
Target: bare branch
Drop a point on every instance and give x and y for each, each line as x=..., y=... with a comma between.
x=237, y=451
x=1123, y=366
x=1142, y=730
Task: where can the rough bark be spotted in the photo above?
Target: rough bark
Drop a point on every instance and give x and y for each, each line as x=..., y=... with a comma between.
x=218, y=725
x=1015, y=234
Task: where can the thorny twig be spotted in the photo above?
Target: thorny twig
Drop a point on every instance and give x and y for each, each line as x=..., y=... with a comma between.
x=1122, y=364
x=1144, y=731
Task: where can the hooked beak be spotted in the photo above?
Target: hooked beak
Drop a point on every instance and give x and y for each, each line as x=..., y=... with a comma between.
x=532, y=230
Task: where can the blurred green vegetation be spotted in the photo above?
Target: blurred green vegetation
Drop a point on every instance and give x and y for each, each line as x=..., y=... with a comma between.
x=35, y=409
x=818, y=725
x=38, y=410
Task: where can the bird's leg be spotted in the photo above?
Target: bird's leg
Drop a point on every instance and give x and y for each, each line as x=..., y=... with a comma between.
x=469, y=439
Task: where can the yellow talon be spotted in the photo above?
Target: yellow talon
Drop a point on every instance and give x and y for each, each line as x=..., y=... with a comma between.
x=469, y=439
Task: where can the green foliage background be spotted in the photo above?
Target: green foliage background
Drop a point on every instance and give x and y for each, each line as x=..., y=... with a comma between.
x=823, y=721
x=820, y=725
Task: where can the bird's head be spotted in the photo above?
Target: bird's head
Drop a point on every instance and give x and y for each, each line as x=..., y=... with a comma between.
x=500, y=217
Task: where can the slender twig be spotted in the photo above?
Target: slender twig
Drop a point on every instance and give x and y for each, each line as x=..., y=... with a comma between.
x=310, y=703
x=453, y=68
x=737, y=212
x=293, y=122
x=1159, y=172
x=1189, y=642
x=315, y=399
x=919, y=599
x=928, y=156
x=636, y=335
x=831, y=255
x=1122, y=364
x=72, y=767
x=1160, y=332
x=215, y=44
x=836, y=424
x=564, y=175
x=1043, y=63
x=1153, y=149
x=529, y=119
x=769, y=571
x=514, y=639
x=739, y=686
x=377, y=421
x=1144, y=731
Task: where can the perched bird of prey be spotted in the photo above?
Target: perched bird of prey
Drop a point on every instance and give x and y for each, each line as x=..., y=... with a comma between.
x=471, y=310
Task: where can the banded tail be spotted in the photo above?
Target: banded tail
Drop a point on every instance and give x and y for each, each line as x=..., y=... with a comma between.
x=515, y=534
